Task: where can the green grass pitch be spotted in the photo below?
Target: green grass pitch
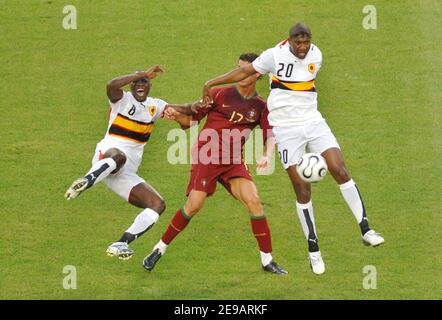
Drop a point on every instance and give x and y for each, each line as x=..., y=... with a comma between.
x=378, y=89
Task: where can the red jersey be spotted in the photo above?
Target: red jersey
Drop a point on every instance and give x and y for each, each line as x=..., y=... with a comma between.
x=230, y=120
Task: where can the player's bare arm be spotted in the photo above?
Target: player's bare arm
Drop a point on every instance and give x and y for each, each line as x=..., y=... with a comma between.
x=114, y=87
x=182, y=119
x=187, y=109
x=233, y=76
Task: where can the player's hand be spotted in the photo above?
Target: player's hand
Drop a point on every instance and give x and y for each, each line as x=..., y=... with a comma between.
x=197, y=106
x=262, y=164
x=153, y=71
x=170, y=113
x=207, y=97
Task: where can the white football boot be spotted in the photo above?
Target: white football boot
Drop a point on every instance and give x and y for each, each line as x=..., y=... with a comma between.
x=316, y=262
x=77, y=187
x=372, y=238
x=120, y=250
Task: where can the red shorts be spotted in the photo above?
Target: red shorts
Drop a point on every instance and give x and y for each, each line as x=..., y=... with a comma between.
x=203, y=177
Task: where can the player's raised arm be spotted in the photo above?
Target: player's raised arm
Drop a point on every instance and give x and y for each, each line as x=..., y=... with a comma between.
x=114, y=91
x=233, y=76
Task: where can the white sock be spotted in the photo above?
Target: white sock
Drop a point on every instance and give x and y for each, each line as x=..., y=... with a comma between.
x=352, y=197
x=100, y=170
x=266, y=258
x=161, y=246
x=307, y=219
x=143, y=221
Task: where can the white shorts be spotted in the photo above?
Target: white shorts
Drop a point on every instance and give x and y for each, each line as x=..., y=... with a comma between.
x=126, y=178
x=294, y=141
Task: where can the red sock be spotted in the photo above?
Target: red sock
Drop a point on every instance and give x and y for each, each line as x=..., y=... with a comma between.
x=178, y=223
x=261, y=232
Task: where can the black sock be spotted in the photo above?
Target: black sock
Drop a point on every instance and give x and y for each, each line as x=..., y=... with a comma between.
x=364, y=225
x=91, y=177
x=129, y=237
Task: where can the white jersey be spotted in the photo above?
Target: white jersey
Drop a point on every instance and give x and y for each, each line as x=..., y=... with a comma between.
x=131, y=122
x=293, y=97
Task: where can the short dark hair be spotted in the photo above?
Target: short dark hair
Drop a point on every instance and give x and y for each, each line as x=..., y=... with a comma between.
x=249, y=57
x=300, y=29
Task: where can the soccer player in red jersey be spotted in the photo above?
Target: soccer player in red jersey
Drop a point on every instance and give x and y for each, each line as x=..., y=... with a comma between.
x=234, y=113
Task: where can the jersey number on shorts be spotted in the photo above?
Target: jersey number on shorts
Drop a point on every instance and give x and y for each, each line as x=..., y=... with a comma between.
x=283, y=156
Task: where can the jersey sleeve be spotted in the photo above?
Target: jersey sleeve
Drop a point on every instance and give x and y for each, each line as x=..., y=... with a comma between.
x=116, y=106
x=159, y=105
x=319, y=63
x=265, y=63
x=265, y=125
x=317, y=59
x=200, y=115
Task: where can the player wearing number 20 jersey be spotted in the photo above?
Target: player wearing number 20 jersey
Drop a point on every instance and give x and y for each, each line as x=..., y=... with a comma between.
x=293, y=98
x=292, y=66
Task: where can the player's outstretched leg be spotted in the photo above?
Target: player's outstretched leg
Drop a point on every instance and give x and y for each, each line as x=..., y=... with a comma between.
x=245, y=191
x=304, y=209
x=112, y=161
x=351, y=195
x=144, y=196
x=179, y=222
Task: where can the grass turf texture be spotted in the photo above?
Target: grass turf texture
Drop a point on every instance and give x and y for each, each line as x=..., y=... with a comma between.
x=378, y=89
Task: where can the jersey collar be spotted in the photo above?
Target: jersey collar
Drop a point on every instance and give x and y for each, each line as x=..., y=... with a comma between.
x=243, y=98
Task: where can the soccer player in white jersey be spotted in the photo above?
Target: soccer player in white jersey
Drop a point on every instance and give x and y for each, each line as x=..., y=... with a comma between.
x=292, y=66
x=118, y=156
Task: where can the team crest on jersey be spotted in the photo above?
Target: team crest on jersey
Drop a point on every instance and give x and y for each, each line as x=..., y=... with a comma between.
x=152, y=110
x=251, y=115
x=311, y=68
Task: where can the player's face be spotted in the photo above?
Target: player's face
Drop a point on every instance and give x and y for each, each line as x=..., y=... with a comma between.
x=250, y=80
x=300, y=46
x=140, y=89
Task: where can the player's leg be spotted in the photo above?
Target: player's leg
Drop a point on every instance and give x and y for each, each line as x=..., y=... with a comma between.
x=110, y=162
x=179, y=222
x=140, y=194
x=202, y=183
x=291, y=144
x=351, y=194
x=245, y=191
x=304, y=209
x=144, y=196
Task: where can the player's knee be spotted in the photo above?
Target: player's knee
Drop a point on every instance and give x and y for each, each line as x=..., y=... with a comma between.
x=340, y=174
x=118, y=156
x=158, y=205
x=120, y=159
x=303, y=192
x=253, y=203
